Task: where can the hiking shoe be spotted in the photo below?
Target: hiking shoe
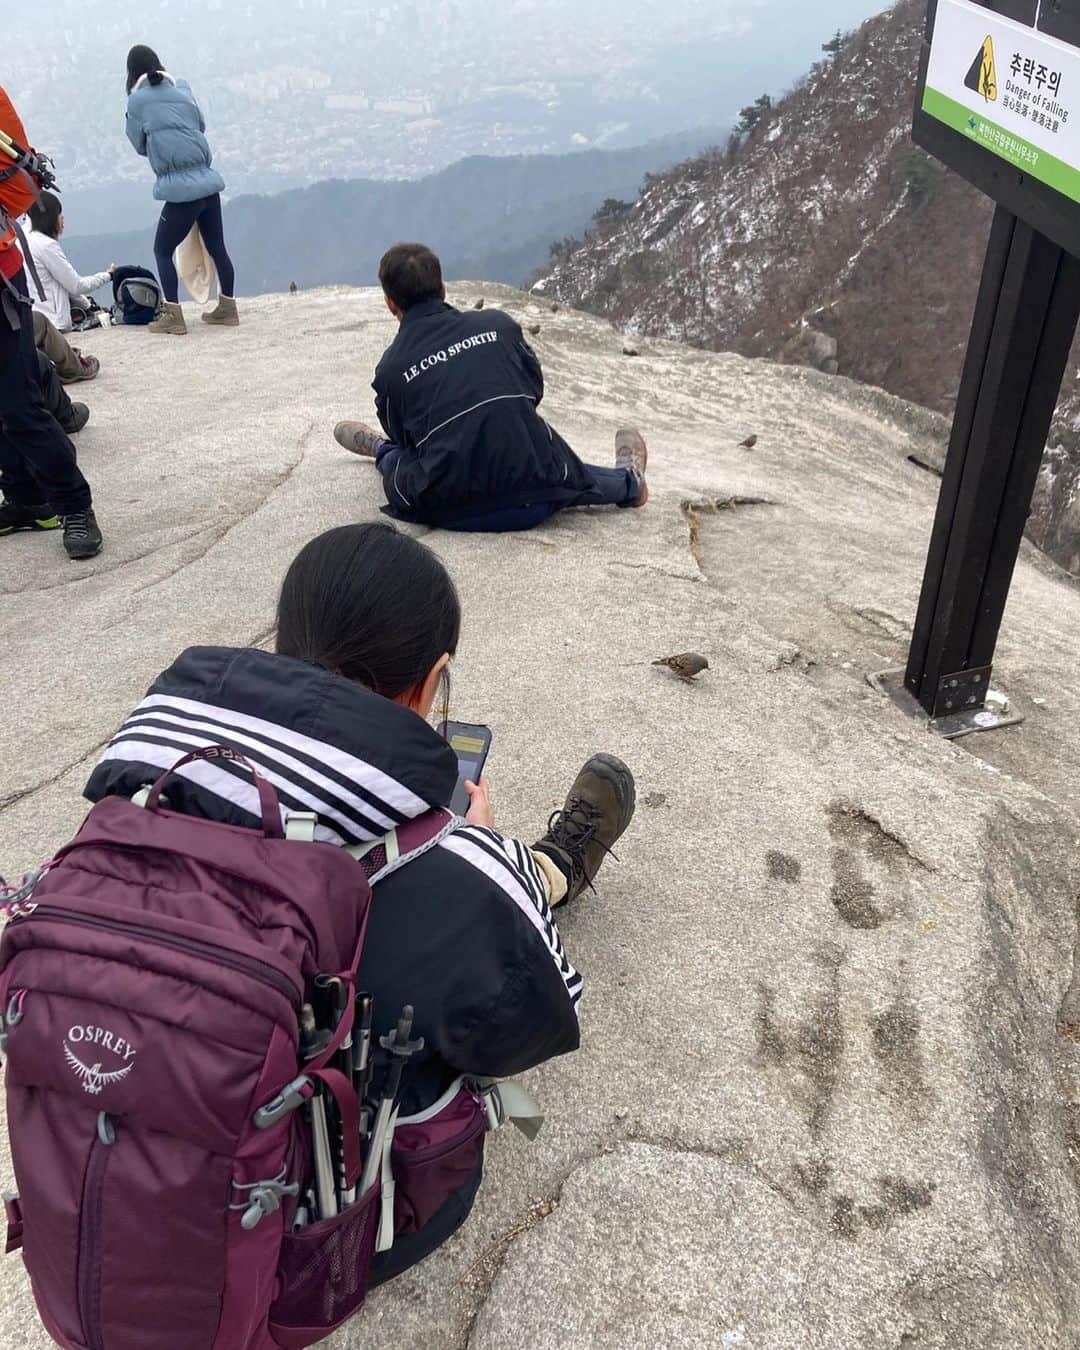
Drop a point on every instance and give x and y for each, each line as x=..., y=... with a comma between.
x=224, y=313
x=14, y=518
x=632, y=453
x=82, y=538
x=89, y=366
x=597, y=811
x=359, y=438
x=169, y=320
x=77, y=417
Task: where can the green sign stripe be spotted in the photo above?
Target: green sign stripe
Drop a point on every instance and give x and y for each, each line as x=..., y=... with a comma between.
x=1007, y=145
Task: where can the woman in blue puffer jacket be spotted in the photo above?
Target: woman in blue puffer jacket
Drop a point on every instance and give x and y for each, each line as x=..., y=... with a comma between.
x=165, y=123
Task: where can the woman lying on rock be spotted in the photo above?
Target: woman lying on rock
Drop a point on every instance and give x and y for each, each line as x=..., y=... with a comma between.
x=462, y=443
x=337, y=720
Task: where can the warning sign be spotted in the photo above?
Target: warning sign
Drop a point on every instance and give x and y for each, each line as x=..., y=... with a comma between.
x=982, y=77
x=1009, y=84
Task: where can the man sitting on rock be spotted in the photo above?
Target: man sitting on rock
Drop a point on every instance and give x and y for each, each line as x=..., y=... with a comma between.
x=457, y=396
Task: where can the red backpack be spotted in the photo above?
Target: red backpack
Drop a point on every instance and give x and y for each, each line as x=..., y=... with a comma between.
x=166, y=1101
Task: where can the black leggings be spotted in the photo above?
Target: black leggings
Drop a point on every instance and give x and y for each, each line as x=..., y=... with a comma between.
x=174, y=227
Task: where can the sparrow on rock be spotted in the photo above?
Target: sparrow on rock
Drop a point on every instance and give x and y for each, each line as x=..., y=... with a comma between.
x=293, y=287
x=749, y=443
x=534, y=329
x=687, y=665
x=479, y=304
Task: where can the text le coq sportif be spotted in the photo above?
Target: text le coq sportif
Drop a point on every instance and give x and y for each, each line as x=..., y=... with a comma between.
x=440, y=358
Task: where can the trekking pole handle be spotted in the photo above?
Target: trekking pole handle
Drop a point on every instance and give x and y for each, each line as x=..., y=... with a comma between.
x=270, y=807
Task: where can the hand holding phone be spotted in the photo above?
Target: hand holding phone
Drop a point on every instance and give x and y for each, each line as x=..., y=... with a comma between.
x=480, y=811
x=471, y=744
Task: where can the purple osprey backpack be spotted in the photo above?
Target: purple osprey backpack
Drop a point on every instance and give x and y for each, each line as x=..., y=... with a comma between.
x=169, y=1103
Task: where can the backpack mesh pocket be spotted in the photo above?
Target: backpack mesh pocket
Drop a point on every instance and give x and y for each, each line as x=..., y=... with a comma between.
x=323, y=1274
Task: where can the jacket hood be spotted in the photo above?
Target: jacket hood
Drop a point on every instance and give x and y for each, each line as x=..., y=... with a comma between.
x=360, y=762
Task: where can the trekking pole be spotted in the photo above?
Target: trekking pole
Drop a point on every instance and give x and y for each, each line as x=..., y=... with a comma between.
x=38, y=165
x=325, y=1194
x=344, y=1061
x=400, y=1048
x=365, y=1006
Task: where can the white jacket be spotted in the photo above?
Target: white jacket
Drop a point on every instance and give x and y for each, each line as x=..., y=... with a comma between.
x=59, y=280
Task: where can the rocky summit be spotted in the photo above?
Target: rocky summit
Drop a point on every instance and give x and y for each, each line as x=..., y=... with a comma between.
x=829, y=1088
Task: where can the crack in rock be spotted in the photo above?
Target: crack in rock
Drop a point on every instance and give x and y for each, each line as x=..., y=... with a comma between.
x=218, y=534
x=13, y=798
x=693, y=510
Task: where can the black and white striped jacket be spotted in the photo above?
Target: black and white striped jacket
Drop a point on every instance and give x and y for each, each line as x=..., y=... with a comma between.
x=464, y=932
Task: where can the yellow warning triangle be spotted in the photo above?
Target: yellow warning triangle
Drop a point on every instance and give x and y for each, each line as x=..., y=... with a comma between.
x=982, y=76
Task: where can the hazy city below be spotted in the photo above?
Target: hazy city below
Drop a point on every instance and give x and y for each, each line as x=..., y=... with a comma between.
x=308, y=90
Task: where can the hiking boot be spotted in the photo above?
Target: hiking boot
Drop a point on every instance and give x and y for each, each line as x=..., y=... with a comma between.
x=170, y=320
x=78, y=415
x=14, y=518
x=82, y=538
x=359, y=438
x=224, y=313
x=89, y=366
x=597, y=811
x=632, y=453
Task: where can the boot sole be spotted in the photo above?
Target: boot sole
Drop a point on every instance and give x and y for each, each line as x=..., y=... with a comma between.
x=35, y=526
x=86, y=554
x=221, y=323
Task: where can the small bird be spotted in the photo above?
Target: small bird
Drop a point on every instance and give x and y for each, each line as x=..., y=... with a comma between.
x=555, y=307
x=749, y=443
x=534, y=329
x=293, y=287
x=687, y=665
x=479, y=304
x=629, y=349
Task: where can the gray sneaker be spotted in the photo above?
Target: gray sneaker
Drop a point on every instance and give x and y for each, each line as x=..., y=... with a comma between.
x=359, y=438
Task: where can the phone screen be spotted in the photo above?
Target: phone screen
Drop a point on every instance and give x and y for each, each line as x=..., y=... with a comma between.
x=471, y=745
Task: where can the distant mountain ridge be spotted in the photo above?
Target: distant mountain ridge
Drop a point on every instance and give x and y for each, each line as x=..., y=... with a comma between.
x=822, y=233
x=488, y=216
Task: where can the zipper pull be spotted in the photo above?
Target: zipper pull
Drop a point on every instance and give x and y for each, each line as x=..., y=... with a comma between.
x=14, y=1016
x=106, y=1129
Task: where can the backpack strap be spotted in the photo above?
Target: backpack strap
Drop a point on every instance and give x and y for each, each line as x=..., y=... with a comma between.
x=400, y=846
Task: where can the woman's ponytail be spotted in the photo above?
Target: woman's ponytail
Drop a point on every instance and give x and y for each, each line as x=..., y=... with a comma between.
x=143, y=61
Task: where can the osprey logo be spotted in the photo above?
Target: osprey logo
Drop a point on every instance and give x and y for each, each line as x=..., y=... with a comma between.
x=94, y=1076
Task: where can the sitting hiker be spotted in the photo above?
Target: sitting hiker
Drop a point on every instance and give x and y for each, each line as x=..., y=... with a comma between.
x=457, y=396
x=71, y=365
x=71, y=416
x=336, y=719
x=60, y=281
x=41, y=487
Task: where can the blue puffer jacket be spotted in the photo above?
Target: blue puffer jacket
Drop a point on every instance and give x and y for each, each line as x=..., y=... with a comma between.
x=165, y=124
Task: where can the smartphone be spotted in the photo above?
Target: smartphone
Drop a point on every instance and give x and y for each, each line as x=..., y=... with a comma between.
x=471, y=745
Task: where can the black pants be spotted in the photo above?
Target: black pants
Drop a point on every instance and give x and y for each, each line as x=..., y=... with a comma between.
x=37, y=461
x=174, y=227
x=56, y=398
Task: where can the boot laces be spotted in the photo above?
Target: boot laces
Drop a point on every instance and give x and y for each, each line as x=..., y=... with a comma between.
x=77, y=525
x=573, y=829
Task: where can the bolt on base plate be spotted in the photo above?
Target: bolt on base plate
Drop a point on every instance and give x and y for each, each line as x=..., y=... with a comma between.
x=992, y=716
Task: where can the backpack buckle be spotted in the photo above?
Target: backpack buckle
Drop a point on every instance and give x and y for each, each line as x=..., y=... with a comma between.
x=293, y=1095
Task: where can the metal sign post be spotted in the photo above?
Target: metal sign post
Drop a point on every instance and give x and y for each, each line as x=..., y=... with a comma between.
x=999, y=101
x=1025, y=318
